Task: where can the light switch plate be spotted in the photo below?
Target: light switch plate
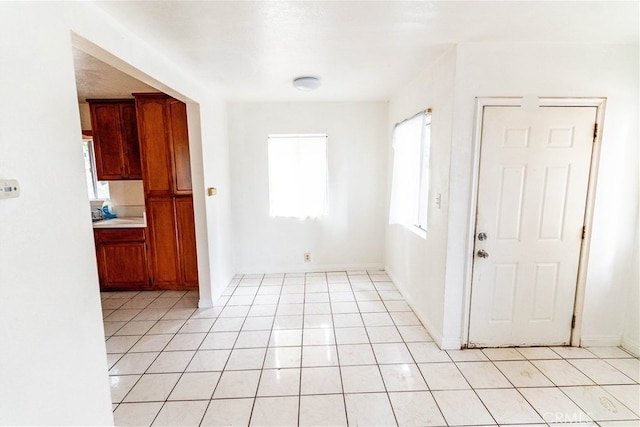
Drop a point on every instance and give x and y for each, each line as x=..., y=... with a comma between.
x=9, y=188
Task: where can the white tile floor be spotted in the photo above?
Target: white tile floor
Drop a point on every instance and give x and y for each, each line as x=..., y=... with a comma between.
x=332, y=349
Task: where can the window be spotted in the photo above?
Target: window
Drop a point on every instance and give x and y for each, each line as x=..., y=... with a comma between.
x=297, y=175
x=410, y=185
x=98, y=190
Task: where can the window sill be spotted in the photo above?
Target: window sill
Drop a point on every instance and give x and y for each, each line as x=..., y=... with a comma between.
x=419, y=231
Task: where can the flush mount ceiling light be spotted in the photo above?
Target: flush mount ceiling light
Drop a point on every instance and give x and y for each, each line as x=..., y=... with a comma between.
x=306, y=83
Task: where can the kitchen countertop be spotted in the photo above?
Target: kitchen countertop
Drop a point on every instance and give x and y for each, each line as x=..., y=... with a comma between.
x=122, y=222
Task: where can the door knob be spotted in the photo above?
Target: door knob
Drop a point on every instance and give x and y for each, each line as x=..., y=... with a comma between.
x=482, y=236
x=483, y=254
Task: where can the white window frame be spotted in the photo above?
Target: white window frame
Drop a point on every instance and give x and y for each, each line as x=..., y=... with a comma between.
x=422, y=216
x=92, y=173
x=409, y=205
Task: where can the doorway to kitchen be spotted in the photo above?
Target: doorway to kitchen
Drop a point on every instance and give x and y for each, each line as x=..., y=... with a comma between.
x=155, y=226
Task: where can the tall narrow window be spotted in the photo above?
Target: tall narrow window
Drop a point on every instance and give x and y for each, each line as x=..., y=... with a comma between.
x=297, y=175
x=98, y=190
x=410, y=185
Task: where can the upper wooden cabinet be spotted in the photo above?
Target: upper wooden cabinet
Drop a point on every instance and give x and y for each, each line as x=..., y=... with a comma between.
x=180, y=141
x=162, y=126
x=115, y=139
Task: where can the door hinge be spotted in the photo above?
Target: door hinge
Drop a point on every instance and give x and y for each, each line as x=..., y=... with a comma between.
x=584, y=231
x=595, y=132
x=573, y=322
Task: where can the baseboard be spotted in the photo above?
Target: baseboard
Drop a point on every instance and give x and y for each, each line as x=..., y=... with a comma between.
x=215, y=295
x=600, y=340
x=310, y=268
x=632, y=346
x=444, y=344
x=205, y=303
x=451, y=344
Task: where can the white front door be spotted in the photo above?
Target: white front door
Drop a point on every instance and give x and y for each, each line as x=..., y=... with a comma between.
x=532, y=190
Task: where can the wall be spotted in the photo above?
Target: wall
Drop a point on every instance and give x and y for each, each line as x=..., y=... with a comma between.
x=631, y=332
x=53, y=359
x=433, y=273
x=351, y=235
x=416, y=264
x=215, y=227
x=609, y=71
x=127, y=193
x=53, y=367
x=85, y=116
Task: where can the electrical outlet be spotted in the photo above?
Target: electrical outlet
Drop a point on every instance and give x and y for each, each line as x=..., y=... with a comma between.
x=307, y=257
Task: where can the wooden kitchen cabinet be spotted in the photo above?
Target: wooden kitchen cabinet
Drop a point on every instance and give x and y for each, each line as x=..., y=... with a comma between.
x=122, y=259
x=172, y=242
x=115, y=139
x=166, y=170
x=154, y=145
x=187, y=237
x=164, y=140
x=163, y=243
x=180, y=147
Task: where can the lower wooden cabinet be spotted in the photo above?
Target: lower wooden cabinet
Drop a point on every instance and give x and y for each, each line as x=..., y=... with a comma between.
x=122, y=259
x=172, y=242
x=187, y=239
x=163, y=242
x=161, y=256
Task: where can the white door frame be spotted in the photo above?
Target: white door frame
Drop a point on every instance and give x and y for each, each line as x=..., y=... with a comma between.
x=482, y=102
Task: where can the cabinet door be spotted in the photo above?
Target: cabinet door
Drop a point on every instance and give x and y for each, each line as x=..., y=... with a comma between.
x=180, y=147
x=107, y=143
x=187, y=239
x=131, y=147
x=154, y=145
x=163, y=243
x=123, y=266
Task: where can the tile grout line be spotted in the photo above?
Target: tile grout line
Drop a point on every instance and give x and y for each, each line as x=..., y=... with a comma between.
x=152, y=362
x=417, y=366
x=184, y=371
x=159, y=353
x=374, y=353
x=335, y=340
x=230, y=351
x=493, y=360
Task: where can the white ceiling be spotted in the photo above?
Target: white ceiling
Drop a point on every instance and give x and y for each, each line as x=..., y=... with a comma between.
x=362, y=50
x=95, y=79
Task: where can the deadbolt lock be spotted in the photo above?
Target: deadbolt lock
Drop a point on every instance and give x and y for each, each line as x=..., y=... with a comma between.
x=482, y=236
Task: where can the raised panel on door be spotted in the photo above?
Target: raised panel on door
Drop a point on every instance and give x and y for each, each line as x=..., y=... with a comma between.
x=154, y=145
x=187, y=239
x=180, y=146
x=129, y=123
x=105, y=121
x=163, y=242
x=123, y=266
x=533, y=181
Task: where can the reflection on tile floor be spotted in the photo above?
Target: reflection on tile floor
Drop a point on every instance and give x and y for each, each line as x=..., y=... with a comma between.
x=335, y=349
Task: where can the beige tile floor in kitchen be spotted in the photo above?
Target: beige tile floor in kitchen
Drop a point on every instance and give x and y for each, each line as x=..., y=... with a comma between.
x=334, y=349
